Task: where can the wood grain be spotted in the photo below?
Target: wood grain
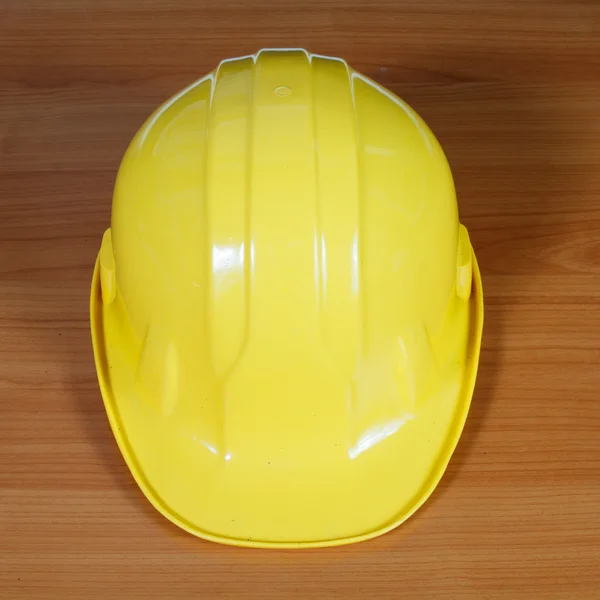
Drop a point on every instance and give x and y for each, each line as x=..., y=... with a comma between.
x=512, y=89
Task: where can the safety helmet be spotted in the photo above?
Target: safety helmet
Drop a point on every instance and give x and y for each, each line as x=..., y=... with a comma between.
x=286, y=312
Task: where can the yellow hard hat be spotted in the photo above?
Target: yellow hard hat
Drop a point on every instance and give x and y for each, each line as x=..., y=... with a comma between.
x=286, y=312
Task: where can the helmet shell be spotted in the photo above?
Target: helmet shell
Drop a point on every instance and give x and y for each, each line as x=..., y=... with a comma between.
x=285, y=323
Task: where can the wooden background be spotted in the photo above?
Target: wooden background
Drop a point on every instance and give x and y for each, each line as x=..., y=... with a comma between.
x=512, y=89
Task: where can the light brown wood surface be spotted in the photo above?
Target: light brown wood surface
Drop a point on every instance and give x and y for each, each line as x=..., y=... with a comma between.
x=512, y=90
